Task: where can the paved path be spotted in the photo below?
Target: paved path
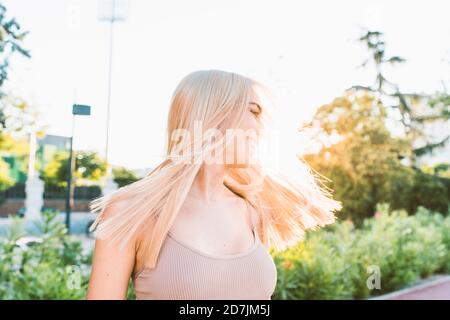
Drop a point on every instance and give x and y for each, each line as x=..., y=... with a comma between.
x=437, y=288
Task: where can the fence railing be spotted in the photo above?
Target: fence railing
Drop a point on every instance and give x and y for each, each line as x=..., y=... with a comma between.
x=53, y=192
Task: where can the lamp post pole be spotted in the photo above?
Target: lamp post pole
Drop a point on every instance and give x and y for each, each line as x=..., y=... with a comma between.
x=110, y=11
x=82, y=110
x=111, y=38
x=69, y=178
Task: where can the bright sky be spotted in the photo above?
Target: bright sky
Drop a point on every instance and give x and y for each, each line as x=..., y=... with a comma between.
x=303, y=50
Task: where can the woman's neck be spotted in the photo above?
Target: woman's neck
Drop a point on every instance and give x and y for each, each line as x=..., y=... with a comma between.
x=208, y=185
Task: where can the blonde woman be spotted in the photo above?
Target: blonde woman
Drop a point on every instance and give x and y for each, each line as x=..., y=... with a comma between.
x=200, y=225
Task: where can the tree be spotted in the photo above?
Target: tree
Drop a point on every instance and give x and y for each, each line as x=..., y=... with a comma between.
x=359, y=155
x=367, y=161
x=123, y=176
x=20, y=149
x=16, y=116
x=415, y=113
x=11, y=38
x=88, y=166
x=5, y=179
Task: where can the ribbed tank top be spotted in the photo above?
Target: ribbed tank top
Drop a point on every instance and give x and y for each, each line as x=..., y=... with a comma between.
x=185, y=273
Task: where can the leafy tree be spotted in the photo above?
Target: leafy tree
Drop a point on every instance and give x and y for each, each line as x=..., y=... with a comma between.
x=5, y=179
x=359, y=155
x=17, y=117
x=123, y=176
x=439, y=169
x=367, y=161
x=430, y=192
x=11, y=39
x=88, y=166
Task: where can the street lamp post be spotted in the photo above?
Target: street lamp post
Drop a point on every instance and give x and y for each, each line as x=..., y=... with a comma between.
x=110, y=11
x=82, y=110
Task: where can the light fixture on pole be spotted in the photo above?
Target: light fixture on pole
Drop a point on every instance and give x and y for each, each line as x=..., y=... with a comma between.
x=110, y=11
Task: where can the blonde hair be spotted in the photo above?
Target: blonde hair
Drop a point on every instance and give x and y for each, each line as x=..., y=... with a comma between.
x=286, y=207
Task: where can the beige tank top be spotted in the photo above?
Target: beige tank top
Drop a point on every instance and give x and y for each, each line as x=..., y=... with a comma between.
x=185, y=273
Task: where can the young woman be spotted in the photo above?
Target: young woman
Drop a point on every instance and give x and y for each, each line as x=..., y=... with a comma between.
x=200, y=225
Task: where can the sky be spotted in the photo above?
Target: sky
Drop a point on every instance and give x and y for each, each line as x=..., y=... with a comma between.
x=304, y=51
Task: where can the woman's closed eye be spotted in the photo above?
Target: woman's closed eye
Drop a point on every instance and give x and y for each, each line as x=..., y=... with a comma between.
x=255, y=109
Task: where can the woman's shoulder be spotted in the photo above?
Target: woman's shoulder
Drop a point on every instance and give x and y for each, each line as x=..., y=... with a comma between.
x=115, y=209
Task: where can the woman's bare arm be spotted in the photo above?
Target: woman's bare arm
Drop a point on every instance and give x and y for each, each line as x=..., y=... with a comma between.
x=111, y=268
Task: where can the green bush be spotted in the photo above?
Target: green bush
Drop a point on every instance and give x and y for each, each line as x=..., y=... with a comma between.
x=313, y=270
x=333, y=263
x=404, y=247
x=51, y=265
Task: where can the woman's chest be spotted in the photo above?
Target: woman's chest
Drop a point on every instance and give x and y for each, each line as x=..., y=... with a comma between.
x=182, y=274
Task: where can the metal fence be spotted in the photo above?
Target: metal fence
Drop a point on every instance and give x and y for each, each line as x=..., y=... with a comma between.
x=53, y=192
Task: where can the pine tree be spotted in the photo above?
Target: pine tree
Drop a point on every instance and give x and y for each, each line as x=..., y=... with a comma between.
x=417, y=112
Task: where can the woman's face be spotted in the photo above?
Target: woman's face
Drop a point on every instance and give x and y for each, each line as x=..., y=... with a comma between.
x=242, y=151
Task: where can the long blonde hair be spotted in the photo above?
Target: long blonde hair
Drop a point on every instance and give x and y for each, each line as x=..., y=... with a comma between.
x=219, y=99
